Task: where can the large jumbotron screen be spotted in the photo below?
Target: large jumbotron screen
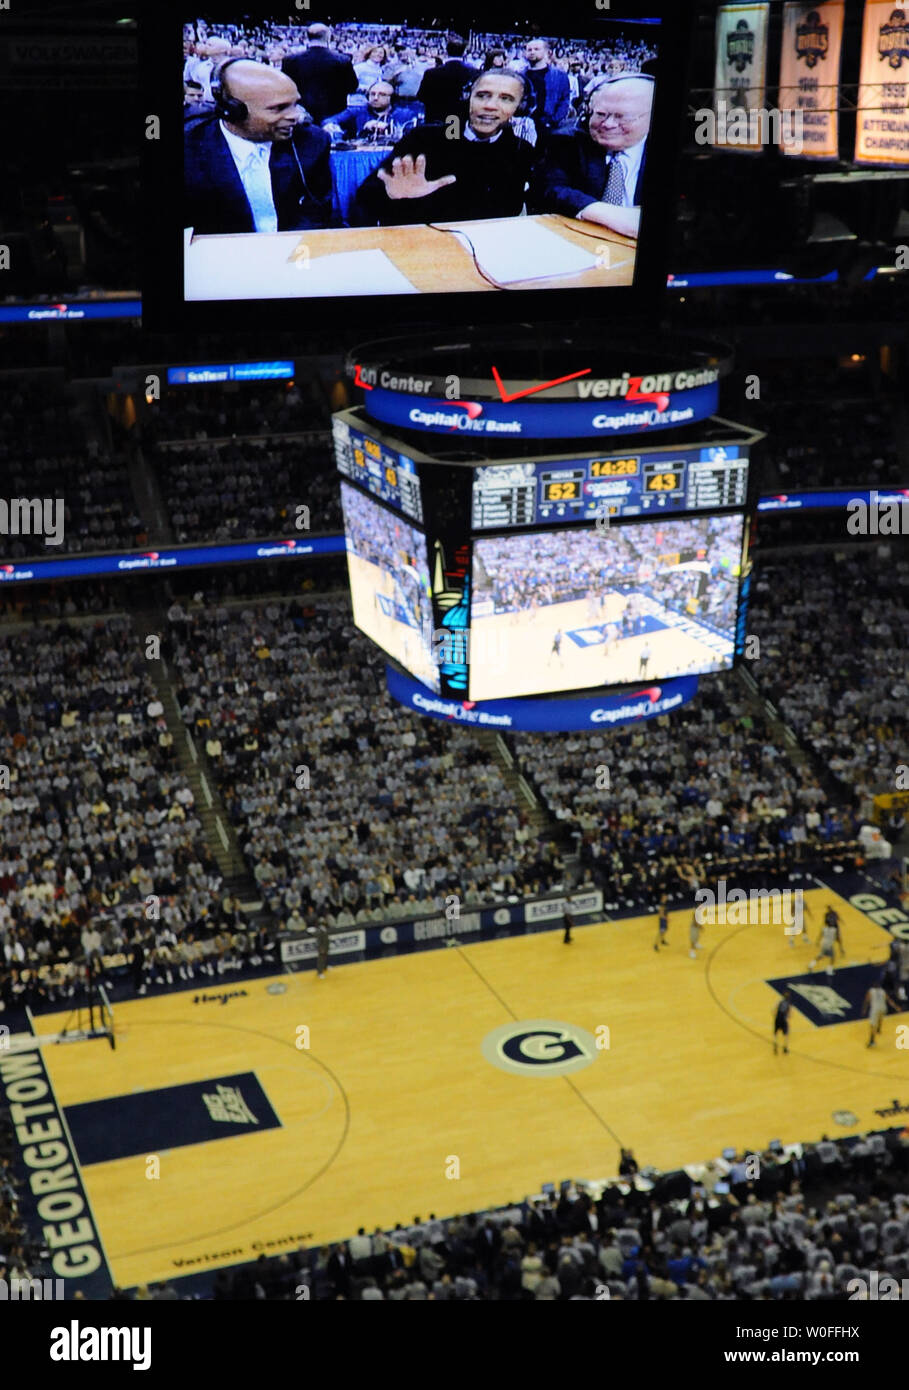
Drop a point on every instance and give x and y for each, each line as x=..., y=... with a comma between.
x=344, y=157
x=633, y=602
x=389, y=583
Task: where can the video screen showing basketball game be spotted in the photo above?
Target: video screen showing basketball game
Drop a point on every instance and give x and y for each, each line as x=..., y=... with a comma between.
x=390, y=589
x=638, y=602
x=360, y=156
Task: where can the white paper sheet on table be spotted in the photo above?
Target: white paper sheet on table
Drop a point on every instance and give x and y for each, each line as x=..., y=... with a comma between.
x=257, y=267
x=517, y=248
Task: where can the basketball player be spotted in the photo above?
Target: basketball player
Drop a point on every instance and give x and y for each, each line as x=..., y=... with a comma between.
x=802, y=933
x=781, y=1020
x=556, y=647
x=691, y=874
x=875, y=1005
x=662, y=925
x=645, y=657
x=832, y=919
x=694, y=932
x=827, y=943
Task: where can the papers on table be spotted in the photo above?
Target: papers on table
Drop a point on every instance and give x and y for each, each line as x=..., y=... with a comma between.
x=517, y=248
x=257, y=266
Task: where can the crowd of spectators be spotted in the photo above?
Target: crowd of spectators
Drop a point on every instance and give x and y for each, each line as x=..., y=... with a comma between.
x=826, y=428
x=686, y=797
x=46, y=454
x=818, y=1216
x=382, y=50
x=521, y=572
x=840, y=682
x=248, y=488
x=348, y=808
x=213, y=412
x=101, y=847
x=254, y=483
x=20, y=1257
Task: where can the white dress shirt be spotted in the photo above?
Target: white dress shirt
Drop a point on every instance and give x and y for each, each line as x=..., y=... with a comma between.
x=252, y=160
x=471, y=134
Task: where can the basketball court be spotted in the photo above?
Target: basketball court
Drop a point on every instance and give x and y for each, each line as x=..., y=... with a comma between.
x=519, y=660
x=251, y=1116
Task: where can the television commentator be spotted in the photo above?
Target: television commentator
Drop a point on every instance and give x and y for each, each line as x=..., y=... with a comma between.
x=595, y=173
x=256, y=165
x=430, y=177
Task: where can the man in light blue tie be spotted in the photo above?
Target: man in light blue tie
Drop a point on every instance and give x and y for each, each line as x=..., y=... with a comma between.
x=596, y=173
x=256, y=165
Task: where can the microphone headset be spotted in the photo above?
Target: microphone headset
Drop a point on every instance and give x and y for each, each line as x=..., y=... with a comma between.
x=235, y=112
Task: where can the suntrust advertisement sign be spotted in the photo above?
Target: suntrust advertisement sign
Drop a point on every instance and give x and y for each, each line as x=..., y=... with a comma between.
x=625, y=410
x=542, y=716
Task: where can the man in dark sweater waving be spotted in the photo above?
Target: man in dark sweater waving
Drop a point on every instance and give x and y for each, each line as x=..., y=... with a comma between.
x=454, y=172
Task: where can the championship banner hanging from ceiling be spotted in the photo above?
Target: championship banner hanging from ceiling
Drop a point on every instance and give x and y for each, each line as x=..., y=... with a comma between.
x=740, y=75
x=810, y=78
x=882, y=120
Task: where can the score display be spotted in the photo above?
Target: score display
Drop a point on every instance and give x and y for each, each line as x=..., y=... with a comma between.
x=388, y=475
x=699, y=479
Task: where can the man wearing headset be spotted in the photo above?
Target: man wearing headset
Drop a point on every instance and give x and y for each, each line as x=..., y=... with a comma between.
x=429, y=177
x=596, y=173
x=254, y=167
x=372, y=118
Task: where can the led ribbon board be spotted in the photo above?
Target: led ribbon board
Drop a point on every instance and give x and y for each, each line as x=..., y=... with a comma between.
x=545, y=420
x=542, y=716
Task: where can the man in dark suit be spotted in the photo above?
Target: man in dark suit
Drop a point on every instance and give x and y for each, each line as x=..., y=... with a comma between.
x=338, y=1271
x=431, y=178
x=253, y=167
x=549, y=91
x=442, y=89
x=324, y=79
x=596, y=174
x=359, y=121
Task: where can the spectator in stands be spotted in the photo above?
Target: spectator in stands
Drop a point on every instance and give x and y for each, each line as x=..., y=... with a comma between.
x=372, y=66
x=548, y=91
x=202, y=63
x=442, y=90
x=324, y=78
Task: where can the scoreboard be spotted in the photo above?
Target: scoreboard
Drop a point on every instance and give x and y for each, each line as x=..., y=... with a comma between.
x=389, y=475
x=698, y=479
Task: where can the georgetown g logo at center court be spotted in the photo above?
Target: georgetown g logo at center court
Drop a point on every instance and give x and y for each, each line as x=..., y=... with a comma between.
x=540, y=1047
